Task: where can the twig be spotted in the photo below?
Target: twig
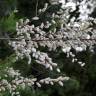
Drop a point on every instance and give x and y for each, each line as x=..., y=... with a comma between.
x=36, y=7
x=55, y=39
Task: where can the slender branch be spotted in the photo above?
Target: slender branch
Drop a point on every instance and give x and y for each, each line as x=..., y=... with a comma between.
x=55, y=39
x=36, y=7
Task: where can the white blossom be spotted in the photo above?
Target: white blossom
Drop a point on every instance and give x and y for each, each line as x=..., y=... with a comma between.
x=35, y=18
x=60, y=83
x=79, y=49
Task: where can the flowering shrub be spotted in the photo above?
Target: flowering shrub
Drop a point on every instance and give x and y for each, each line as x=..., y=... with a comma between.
x=60, y=32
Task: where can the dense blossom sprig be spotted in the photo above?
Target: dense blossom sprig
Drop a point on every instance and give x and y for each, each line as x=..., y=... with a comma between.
x=85, y=7
x=18, y=81
x=79, y=35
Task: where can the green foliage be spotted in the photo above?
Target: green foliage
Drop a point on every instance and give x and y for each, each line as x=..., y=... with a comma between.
x=8, y=62
x=9, y=23
x=5, y=94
